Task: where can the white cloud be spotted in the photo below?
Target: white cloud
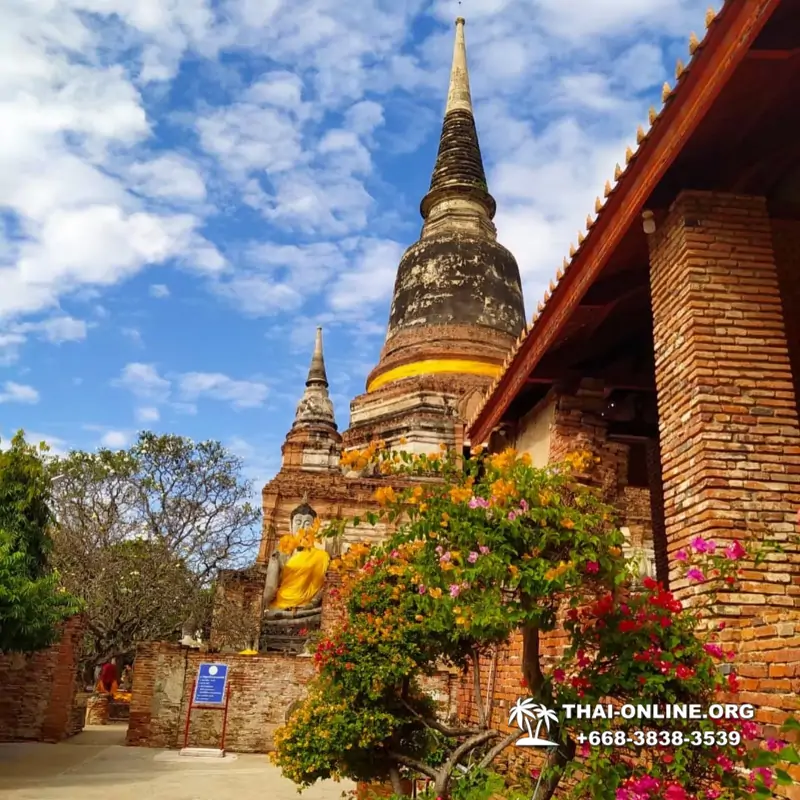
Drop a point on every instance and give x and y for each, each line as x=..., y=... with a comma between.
x=182, y=390
x=159, y=290
x=169, y=177
x=240, y=394
x=133, y=334
x=147, y=414
x=58, y=446
x=18, y=393
x=115, y=439
x=143, y=381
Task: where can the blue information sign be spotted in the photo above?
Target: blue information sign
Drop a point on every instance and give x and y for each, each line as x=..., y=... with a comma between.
x=212, y=680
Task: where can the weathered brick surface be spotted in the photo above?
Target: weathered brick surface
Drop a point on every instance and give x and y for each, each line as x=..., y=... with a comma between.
x=97, y=709
x=38, y=695
x=786, y=241
x=730, y=439
x=263, y=688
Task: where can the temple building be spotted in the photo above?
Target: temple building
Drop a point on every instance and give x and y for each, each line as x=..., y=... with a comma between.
x=456, y=312
x=669, y=342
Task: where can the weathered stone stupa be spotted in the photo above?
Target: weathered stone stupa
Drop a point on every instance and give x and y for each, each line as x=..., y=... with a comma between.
x=457, y=306
x=457, y=310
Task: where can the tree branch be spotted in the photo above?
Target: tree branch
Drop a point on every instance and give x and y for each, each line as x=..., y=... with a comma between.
x=498, y=748
x=397, y=785
x=443, y=776
x=412, y=763
x=476, y=685
x=556, y=762
x=531, y=668
x=438, y=726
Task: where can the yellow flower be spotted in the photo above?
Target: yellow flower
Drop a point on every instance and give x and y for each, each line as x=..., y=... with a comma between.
x=435, y=593
x=419, y=618
x=461, y=621
x=514, y=571
x=446, y=566
x=567, y=523
x=288, y=544
x=460, y=494
x=526, y=459
x=615, y=551
x=385, y=494
x=403, y=440
x=476, y=451
x=445, y=520
x=423, y=507
x=442, y=446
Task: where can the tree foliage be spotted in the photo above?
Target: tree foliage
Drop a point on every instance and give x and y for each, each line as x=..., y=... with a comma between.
x=493, y=547
x=32, y=601
x=143, y=532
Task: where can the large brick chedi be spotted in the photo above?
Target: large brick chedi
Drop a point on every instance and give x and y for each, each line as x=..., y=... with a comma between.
x=730, y=442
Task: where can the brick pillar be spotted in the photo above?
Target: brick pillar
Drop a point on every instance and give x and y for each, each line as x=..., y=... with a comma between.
x=656, y=486
x=730, y=441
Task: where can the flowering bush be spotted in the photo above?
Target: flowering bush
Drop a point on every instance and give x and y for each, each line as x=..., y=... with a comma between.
x=492, y=546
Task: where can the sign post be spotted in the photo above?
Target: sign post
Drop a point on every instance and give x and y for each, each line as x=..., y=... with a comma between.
x=210, y=690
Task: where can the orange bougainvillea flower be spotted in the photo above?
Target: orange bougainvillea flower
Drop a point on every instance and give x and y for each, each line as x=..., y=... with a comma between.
x=435, y=593
x=615, y=551
x=385, y=494
x=567, y=523
x=288, y=544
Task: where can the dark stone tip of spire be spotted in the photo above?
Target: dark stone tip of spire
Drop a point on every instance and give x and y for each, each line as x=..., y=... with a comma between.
x=316, y=373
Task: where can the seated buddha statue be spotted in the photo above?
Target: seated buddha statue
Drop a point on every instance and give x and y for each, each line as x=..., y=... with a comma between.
x=295, y=580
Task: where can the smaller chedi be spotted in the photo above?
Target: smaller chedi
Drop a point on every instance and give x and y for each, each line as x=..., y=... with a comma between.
x=295, y=581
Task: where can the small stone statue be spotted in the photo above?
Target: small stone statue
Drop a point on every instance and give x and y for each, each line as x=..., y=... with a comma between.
x=295, y=582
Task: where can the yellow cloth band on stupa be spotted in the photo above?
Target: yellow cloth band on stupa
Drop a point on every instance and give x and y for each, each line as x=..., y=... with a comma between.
x=433, y=366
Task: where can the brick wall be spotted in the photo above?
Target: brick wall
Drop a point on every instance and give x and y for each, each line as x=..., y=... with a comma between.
x=730, y=440
x=263, y=688
x=38, y=697
x=786, y=241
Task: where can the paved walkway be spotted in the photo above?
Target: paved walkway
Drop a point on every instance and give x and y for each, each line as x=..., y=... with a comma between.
x=95, y=765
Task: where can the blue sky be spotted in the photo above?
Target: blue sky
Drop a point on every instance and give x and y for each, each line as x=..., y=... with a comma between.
x=189, y=187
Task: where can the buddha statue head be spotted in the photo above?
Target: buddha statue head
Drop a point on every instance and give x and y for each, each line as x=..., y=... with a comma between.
x=302, y=518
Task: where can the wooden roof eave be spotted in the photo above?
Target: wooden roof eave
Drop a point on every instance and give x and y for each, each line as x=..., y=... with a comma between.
x=727, y=43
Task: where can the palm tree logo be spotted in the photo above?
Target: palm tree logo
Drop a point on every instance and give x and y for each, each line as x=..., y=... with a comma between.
x=522, y=712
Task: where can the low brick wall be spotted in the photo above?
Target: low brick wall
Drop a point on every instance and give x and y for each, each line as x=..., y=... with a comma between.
x=263, y=687
x=38, y=697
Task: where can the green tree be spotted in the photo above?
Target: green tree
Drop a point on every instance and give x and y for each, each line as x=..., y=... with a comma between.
x=33, y=602
x=492, y=547
x=142, y=533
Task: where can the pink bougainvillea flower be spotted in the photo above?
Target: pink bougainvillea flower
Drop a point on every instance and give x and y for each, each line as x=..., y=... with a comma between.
x=439, y=549
x=558, y=675
x=681, y=555
x=422, y=588
x=735, y=551
x=725, y=763
x=483, y=550
x=695, y=574
x=750, y=730
x=445, y=557
x=455, y=590
x=523, y=504
x=478, y=502
x=765, y=773
x=699, y=544
x=472, y=557
x=511, y=516
x=592, y=567
x=713, y=649
x=711, y=794
x=773, y=744
x=675, y=792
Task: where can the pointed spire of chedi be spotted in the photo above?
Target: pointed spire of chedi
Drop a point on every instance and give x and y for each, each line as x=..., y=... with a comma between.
x=458, y=172
x=314, y=443
x=315, y=406
x=457, y=305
